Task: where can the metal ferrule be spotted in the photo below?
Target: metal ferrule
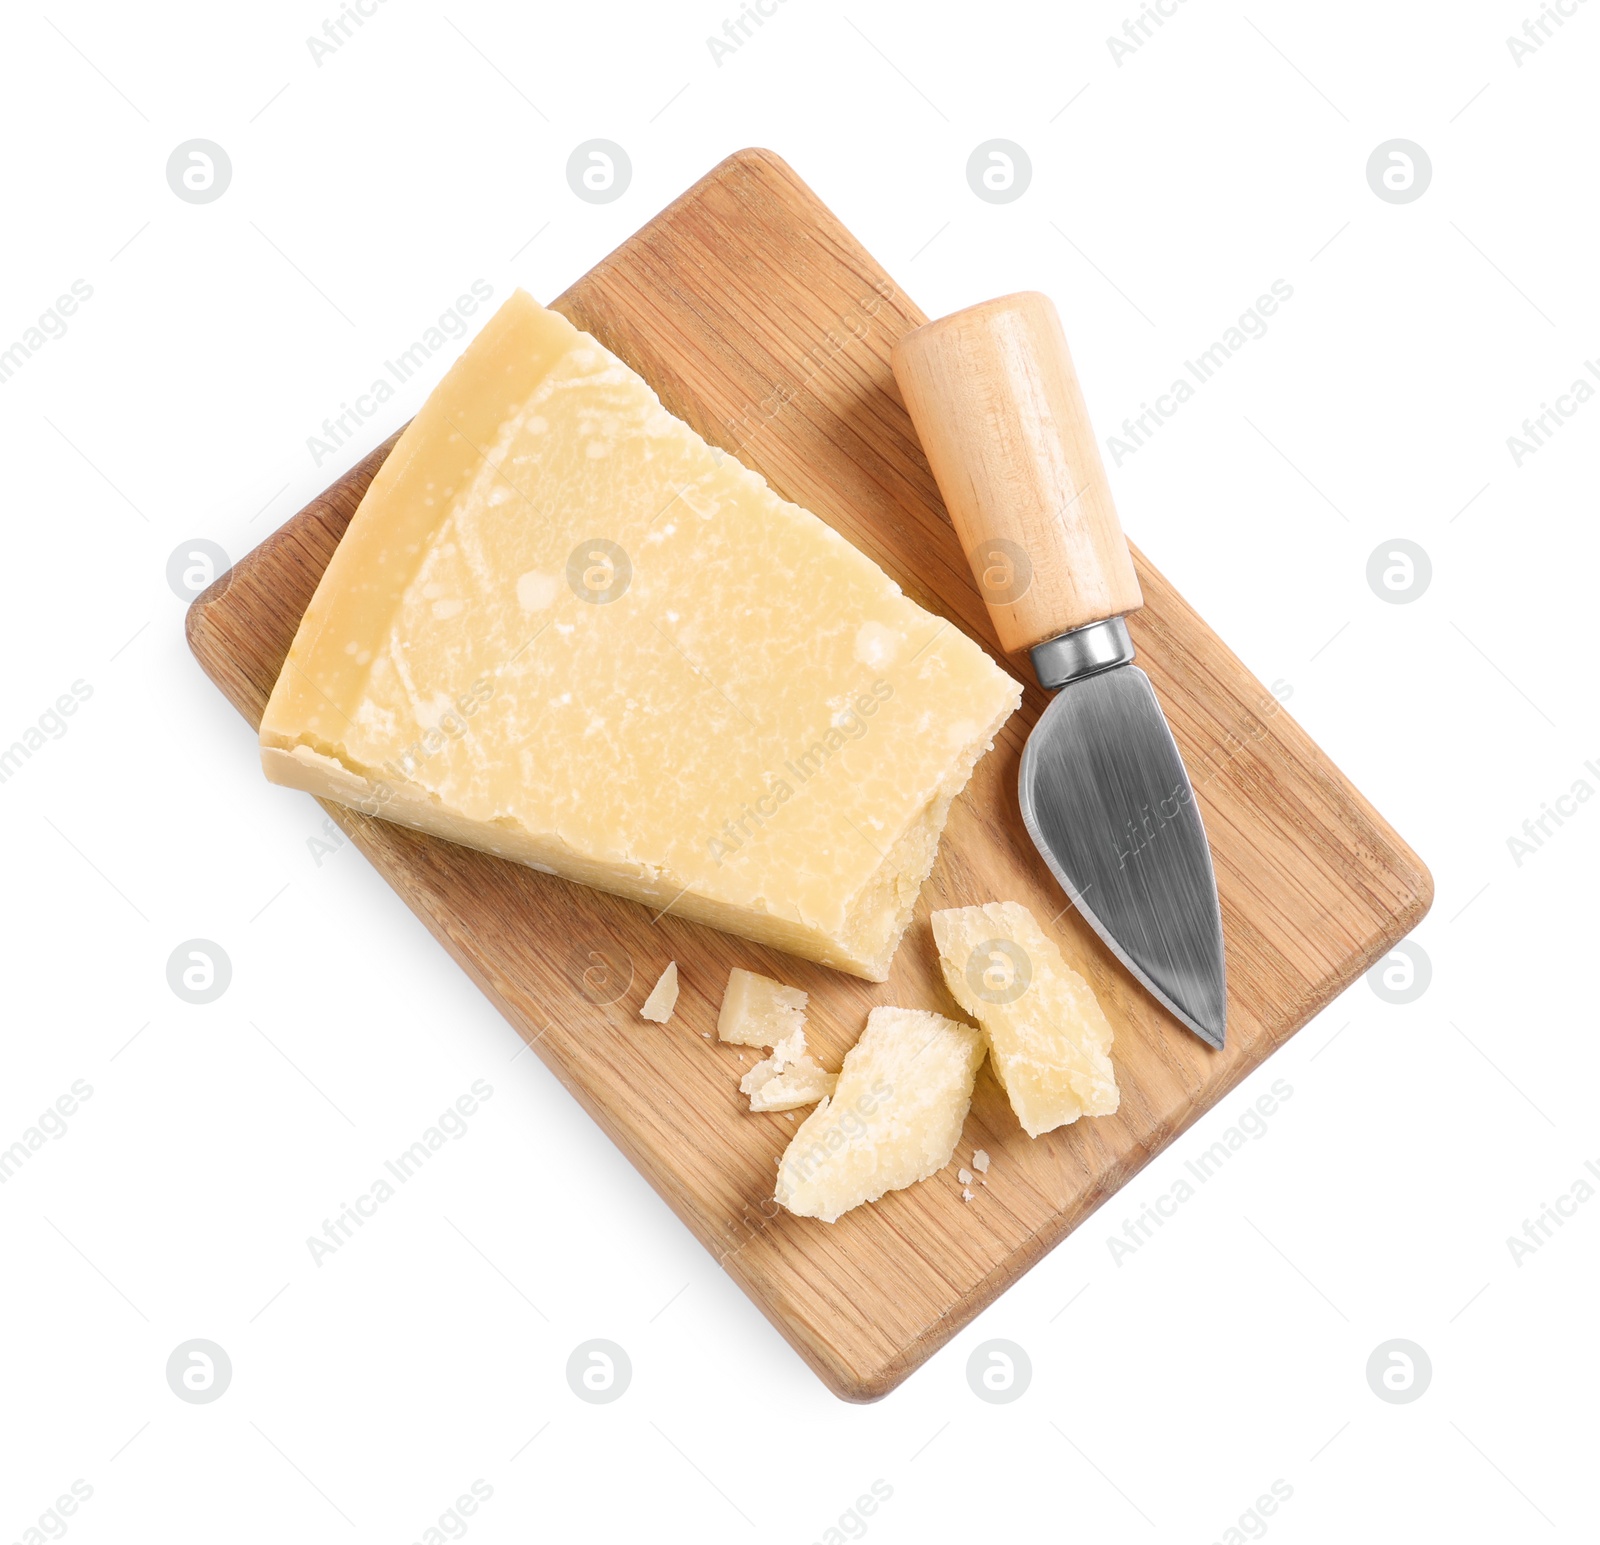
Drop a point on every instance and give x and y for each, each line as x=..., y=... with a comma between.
x=1082, y=652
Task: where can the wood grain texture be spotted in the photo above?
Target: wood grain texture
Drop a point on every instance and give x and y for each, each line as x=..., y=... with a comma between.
x=999, y=413
x=765, y=325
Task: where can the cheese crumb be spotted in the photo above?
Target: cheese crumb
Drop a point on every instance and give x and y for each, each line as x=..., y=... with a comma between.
x=663, y=996
x=964, y=1176
x=980, y=1161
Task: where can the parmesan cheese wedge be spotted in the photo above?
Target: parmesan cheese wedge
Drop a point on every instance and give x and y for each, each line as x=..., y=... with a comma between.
x=563, y=629
x=663, y=997
x=757, y=1011
x=1049, y=1039
x=894, y=1117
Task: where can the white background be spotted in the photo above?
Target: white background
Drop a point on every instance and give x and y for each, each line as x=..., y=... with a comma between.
x=1168, y=192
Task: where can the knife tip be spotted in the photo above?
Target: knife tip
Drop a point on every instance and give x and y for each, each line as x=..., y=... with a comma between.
x=1212, y=1028
x=1202, y=1001
x=1207, y=1020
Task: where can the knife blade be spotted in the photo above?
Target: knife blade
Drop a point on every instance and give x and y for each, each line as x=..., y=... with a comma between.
x=1103, y=789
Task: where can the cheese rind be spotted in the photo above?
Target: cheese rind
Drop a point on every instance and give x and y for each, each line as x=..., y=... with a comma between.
x=561, y=628
x=1049, y=1039
x=894, y=1119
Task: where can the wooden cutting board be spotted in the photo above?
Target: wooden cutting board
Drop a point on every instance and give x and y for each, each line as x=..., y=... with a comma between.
x=763, y=323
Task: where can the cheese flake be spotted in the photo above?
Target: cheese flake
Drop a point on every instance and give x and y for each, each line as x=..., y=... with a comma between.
x=663, y=996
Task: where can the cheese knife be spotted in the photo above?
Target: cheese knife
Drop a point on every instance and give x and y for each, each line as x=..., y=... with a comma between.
x=1103, y=789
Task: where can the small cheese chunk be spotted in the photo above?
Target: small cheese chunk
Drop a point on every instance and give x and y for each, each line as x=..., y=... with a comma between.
x=757, y=1011
x=663, y=996
x=564, y=629
x=894, y=1118
x=980, y=1161
x=788, y=1078
x=1049, y=1039
x=772, y=1085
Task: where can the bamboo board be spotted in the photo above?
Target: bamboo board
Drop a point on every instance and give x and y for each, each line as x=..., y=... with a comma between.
x=763, y=323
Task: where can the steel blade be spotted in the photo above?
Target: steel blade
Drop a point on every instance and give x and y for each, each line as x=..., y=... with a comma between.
x=1107, y=800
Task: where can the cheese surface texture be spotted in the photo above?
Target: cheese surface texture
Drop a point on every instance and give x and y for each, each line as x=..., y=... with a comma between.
x=1049, y=1039
x=894, y=1118
x=563, y=629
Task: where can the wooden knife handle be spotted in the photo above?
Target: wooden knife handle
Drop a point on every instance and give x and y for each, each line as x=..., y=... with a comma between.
x=994, y=399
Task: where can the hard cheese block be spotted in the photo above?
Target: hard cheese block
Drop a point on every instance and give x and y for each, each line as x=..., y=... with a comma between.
x=894, y=1119
x=1049, y=1039
x=564, y=629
